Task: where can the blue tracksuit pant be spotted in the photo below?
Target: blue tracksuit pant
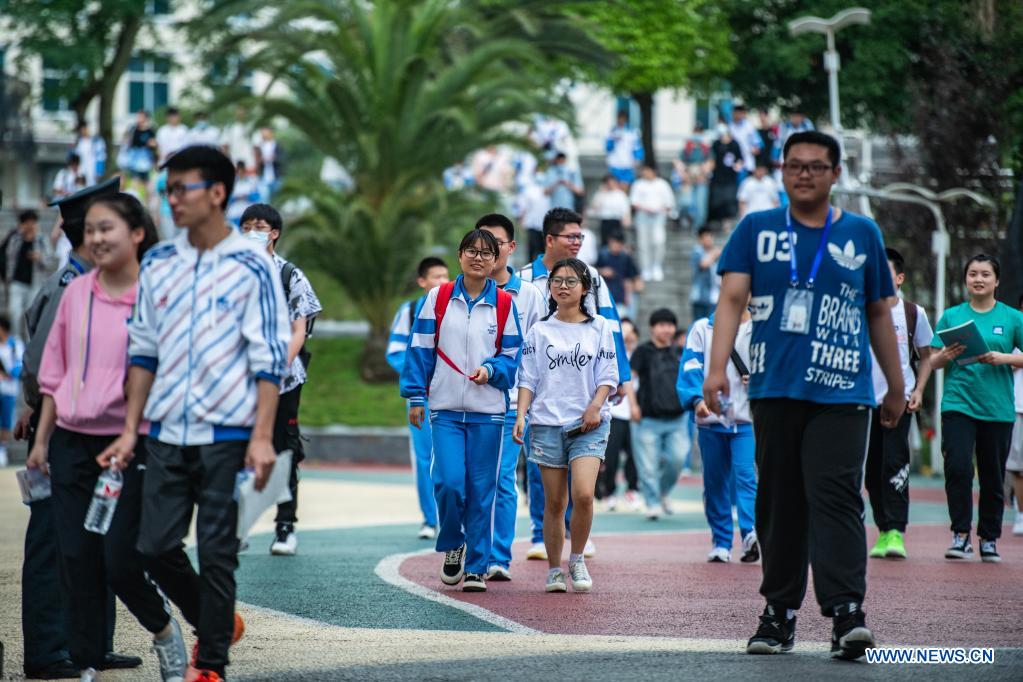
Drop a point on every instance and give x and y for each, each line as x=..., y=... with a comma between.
x=466, y=456
x=507, y=497
x=728, y=456
x=421, y=453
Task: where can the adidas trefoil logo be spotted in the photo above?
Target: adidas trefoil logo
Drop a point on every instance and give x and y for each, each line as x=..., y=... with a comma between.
x=847, y=257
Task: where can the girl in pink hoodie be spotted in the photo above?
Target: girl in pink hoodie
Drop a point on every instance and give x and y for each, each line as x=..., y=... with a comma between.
x=81, y=379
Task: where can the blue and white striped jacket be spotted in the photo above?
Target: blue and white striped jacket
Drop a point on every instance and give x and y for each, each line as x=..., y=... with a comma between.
x=598, y=302
x=468, y=338
x=209, y=325
x=401, y=332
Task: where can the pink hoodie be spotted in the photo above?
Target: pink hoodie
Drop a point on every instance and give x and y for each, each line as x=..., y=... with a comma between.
x=85, y=361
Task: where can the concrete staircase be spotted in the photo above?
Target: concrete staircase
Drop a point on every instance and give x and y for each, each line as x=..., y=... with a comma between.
x=673, y=292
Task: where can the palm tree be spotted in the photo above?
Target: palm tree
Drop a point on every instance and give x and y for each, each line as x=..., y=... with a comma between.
x=397, y=91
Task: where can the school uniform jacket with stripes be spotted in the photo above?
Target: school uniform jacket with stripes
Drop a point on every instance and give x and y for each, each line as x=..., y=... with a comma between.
x=468, y=336
x=598, y=302
x=209, y=325
x=532, y=306
x=401, y=332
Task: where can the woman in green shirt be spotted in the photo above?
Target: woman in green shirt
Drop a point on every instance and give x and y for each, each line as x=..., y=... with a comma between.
x=978, y=408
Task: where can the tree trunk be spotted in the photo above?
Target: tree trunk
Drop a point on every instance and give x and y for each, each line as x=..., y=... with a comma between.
x=1012, y=268
x=645, y=100
x=111, y=77
x=374, y=368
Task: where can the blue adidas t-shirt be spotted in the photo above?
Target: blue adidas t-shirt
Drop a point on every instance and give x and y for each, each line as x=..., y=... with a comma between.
x=831, y=363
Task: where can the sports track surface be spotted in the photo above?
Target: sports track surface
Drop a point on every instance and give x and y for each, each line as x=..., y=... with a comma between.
x=362, y=601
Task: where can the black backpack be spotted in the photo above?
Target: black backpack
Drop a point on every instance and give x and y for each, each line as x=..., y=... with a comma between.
x=286, y=272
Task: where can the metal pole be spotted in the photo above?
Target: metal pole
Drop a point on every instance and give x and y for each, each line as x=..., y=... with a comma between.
x=831, y=63
x=940, y=244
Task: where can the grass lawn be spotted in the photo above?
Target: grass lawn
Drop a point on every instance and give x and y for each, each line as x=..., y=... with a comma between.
x=335, y=394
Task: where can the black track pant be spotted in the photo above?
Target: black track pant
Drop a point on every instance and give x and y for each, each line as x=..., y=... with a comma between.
x=809, y=510
x=288, y=437
x=961, y=436
x=91, y=560
x=179, y=479
x=888, y=473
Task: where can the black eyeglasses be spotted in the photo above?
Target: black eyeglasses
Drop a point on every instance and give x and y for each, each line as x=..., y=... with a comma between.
x=578, y=237
x=474, y=253
x=178, y=189
x=816, y=169
x=564, y=282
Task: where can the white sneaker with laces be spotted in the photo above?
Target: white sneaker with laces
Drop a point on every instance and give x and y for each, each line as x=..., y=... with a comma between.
x=581, y=580
x=172, y=655
x=611, y=504
x=632, y=500
x=719, y=555
x=1017, y=527
x=655, y=512
x=555, y=581
x=427, y=532
x=590, y=549
x=498, y=573
x=537, y=551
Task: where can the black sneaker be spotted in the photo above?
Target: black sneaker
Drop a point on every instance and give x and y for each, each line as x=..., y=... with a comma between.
x=850, y=636
x=988, y=552
x=750, y=548
x=452, y=570
x=474, y=582
x=285, y=540
x=776, y=634
x=961, y=548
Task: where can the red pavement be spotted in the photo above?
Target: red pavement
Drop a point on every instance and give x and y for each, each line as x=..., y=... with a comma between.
x=661, y=585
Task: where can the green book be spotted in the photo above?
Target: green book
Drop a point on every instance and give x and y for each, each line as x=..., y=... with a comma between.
x=968, y=335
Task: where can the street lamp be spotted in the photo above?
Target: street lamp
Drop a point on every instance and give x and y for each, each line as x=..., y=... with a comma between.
x=829, y=27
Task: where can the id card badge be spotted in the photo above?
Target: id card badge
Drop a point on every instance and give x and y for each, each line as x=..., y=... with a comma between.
x=795, y=315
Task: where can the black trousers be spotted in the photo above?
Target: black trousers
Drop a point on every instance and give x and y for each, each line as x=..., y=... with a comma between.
x=619, y=440
x=178, y=479
x=287, y=436
x=887, y=476
x=809, y=510
x=961, y=436
x=45, y=599
x=95, y=561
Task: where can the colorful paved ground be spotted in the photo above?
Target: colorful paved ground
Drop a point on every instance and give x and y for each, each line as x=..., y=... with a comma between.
x=362, y=601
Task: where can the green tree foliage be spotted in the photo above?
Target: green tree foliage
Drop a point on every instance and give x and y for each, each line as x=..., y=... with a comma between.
x=658, y=44
x=90, y=43
x=397, y=91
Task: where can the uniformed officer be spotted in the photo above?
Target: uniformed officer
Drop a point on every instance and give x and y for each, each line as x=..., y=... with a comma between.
x=44, y=617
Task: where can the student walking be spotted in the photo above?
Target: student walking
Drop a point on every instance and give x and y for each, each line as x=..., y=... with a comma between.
x=83, y=405
x=12, y=350
x=887, y=472
x=978, y=408
x=208, y=348
x=262, y=224
x=432, y=273
x=569, y=368
x=531, y=304
x=819, y=283
x=464, y=355
x=726, y=440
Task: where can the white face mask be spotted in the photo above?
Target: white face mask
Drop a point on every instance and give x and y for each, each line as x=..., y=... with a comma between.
x=261, y=238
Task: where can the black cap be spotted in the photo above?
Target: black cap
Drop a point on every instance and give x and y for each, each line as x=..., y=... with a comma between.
x=72, y=208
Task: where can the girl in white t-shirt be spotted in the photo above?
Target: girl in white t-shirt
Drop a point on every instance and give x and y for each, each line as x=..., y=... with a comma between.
x=568, y=370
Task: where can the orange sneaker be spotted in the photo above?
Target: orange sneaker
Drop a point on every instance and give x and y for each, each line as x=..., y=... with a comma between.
x=196, y=675
x=239, y=632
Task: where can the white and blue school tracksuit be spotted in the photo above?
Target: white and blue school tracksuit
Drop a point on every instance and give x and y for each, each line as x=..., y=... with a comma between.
x=421, y=439
x=598, y=302
x=729, y=470
x=531, y=305
x=467, y=419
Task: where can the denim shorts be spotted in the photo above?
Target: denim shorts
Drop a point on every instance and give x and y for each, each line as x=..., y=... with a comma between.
x=550, y=447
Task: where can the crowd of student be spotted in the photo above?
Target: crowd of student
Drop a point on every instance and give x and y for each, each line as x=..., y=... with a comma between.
x=808, y=351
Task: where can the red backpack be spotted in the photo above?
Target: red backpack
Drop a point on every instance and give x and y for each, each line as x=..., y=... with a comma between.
x=504, y=305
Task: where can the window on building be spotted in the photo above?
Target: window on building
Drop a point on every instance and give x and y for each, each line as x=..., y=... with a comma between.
x=226, y=69
x=53, y=98
x=148, y=83
x=157, y=7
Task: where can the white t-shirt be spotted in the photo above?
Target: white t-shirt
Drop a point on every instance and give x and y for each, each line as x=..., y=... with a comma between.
x=759, y=194
x=204, y=133
x=1017, y=378
x=921, y=339
x=652, y=195
x=170, y=139
x=610, y=204
x=533, y=204
x=563, y=364
x=588, y=251
x=623, y=148
x=11, y=352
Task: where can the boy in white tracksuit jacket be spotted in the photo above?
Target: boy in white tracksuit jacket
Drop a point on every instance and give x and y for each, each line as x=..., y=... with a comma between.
x=467, y=419
x=729, y=471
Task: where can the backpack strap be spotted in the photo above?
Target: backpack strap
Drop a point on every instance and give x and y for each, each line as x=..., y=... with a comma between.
x=504, y=306
x=286, y=272
x=439, y=310
x=740, y=366
x=911, y=317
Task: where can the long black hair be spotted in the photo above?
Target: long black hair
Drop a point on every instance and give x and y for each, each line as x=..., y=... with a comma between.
x=582, y=271
x=984, y=258
x=131, y=211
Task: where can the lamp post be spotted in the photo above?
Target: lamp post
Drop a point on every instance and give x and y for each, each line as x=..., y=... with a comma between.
x=832, y=63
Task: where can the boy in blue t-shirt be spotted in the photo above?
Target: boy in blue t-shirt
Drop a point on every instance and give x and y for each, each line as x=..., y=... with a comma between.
x=819, y=281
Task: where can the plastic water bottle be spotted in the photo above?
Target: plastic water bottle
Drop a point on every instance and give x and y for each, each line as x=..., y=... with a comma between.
x=104, y=501
x=727, y=416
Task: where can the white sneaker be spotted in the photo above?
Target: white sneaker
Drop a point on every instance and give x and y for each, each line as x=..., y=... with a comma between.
x=590, y=550
x=750, y=548
x=427, y=532
x=658, y=273
x=1017, y=528
x=666, y=506
x=647, y=274
x=538, y=551
x=555, y=581
x=285, y=540
x=498, y=573
x=611, y=504
x=581, y=580
x=632, y=500
x=719, y=555
x=172, y=654
x=655, y=512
